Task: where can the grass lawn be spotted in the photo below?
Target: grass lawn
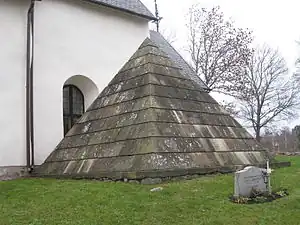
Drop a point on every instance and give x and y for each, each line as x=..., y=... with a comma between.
x=201, y=201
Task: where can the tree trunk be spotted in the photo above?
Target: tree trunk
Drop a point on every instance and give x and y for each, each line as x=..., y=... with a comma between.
x=257, y=135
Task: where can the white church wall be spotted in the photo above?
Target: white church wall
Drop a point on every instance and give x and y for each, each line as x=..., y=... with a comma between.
x=76, y=38
x=72, y=38
x=12, y=82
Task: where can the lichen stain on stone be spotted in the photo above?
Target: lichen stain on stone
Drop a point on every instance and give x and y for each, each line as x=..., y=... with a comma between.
x=181, y=159
x=83, y=155
x=158, y=160
x=139, y=61
x=86, y=127
x=122, y=96
x=192, y=134
x=121, y=121
x=105, y=101
x=133, y=116
x=171, y=144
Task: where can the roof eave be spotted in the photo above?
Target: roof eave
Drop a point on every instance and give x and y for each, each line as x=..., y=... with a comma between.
x=150, y=18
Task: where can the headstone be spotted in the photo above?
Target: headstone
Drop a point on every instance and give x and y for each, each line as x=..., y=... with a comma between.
x=249, y=179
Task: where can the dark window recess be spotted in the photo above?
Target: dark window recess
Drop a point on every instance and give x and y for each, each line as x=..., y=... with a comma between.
x=73, y=106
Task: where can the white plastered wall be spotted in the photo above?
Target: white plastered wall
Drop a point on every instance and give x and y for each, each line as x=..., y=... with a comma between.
x=76, y=38
x=12, y=81
x=71, y=38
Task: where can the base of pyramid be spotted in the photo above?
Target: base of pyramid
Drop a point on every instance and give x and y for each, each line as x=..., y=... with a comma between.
x=156, y=176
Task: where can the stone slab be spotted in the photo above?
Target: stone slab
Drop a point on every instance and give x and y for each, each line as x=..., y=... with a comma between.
x=249, y=179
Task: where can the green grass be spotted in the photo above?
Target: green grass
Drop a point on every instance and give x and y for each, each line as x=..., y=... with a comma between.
x=201, y=201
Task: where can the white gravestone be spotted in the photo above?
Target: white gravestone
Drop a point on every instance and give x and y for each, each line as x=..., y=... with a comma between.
x=248, y=179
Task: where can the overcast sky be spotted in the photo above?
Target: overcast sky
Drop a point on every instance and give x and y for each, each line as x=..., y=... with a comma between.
x=273, y=22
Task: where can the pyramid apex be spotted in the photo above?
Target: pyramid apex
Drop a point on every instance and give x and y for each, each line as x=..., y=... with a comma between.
x=148, y=42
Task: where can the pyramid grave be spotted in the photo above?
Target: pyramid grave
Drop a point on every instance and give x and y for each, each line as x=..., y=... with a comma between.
x=151, y=121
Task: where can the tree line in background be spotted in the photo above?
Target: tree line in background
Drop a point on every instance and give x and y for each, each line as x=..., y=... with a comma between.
x=282, y=140
x=257, y=79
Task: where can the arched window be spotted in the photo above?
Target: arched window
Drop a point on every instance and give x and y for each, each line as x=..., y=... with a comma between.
x=73, y=106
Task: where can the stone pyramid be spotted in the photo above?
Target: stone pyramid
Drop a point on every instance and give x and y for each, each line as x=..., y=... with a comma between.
x=151, y=121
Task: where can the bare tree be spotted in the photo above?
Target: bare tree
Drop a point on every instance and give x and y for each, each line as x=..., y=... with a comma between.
x=266, y=93
x=218, y=50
